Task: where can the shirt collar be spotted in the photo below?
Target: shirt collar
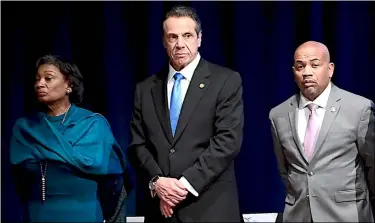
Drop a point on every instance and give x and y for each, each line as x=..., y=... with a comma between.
x=321, y=100
x=188, y=71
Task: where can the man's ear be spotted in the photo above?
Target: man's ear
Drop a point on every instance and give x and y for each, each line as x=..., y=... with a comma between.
x=331, y=69
x=199, y=39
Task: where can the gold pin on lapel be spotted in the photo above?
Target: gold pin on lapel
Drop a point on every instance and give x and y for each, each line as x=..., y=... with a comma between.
x=333, y=109
x=201, y=86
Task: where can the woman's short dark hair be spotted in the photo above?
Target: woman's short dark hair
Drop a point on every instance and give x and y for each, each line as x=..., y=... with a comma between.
x=70, y=72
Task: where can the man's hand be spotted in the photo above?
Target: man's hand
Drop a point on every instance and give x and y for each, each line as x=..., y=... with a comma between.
x=170, y=190
x=165, y=209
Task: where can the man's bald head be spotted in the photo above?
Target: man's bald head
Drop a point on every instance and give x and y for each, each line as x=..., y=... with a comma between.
x=312, y=68
x=320, y=47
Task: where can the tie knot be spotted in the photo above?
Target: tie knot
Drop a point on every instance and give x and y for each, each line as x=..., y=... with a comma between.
x=178, y=76
x=312, y=107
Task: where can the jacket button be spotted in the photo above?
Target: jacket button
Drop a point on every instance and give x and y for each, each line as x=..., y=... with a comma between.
x=172, y=150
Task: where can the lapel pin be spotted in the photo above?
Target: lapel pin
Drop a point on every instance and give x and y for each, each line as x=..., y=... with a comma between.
x=201, y=86
x=333, y=109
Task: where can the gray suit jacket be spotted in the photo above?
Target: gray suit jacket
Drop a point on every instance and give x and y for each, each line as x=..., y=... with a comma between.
x=337, y=185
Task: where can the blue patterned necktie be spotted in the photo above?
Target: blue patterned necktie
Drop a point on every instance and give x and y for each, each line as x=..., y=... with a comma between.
x=176, y=101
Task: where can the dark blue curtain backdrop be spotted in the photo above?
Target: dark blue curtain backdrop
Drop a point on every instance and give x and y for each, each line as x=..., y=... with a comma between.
x=116, y=44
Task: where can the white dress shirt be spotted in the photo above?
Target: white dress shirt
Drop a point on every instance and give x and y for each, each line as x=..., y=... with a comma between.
x=303, y=113
x=187, y=72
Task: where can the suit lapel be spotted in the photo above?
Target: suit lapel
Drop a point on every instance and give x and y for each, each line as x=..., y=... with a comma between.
x=293, y=118
x=197, y=87
x=332, y=109
x=159, y=94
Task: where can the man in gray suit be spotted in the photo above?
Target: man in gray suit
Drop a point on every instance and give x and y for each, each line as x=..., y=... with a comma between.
x=324, y=143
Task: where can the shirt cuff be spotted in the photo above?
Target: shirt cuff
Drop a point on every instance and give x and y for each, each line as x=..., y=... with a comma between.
x=188, y=186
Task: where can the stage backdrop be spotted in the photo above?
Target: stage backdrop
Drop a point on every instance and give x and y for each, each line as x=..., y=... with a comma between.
x=116, y=44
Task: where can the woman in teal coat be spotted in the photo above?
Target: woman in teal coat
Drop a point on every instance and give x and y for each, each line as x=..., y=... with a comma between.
x=67, y=165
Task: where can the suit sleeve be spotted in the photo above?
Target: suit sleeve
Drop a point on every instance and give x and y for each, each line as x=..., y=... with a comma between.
x=225, y=144
x=366, y=148
x=138, y=153
x=278, y=152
